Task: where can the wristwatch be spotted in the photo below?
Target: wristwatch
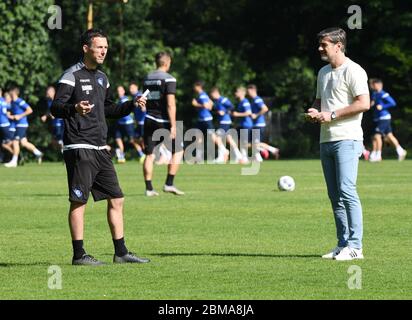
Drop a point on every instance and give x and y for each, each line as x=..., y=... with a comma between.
x=333, y=115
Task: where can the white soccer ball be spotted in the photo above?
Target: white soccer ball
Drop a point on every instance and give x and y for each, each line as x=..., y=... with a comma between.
x=286, y=183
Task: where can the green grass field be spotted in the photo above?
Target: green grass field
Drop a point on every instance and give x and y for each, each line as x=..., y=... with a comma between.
x=230, y=237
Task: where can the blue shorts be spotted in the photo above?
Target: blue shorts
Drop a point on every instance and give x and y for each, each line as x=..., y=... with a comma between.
x=124, y=130
x=243, y=136
x=223, y=129
x=261, y=134
x=20, y=133
x=58, y=132
x=139, y=131
x=383, y=127
x=6, y=134
x=205, y=126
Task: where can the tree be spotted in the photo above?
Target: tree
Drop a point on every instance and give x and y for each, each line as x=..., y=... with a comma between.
x=26, y=56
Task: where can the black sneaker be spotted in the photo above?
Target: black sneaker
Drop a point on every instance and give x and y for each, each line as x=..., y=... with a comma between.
x=87, y=260
x=130, y=257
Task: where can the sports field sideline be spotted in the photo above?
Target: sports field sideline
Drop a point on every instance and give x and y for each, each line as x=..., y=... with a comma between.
x=229, y=237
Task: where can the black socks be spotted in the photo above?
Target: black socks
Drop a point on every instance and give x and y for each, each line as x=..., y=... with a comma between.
x=78, y=250
x=169, y=179
x=169, y=182
x=119, y=247
x=149, y=186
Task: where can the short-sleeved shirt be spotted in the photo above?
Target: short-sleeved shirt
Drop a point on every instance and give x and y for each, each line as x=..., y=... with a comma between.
x=203, y=113
x=337, y=88
x=257, y=105
x=244, y=106
x=56, y=122
x=4, y=108
x=225, y=105
x=385, y=100
x=160, y=84
x=127, y=119
x=19, y=106
x=139, y=115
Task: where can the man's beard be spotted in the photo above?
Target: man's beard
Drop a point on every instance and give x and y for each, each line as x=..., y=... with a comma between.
x=324, y=57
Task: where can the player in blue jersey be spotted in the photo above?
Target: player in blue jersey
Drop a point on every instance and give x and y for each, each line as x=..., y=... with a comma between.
x=19, y=112
x=139, y=117
x=6, y=136
x=125, y=129
x=224, y=107
x=57, y=124
x=204, y=105
x=243, y=113
x=259, y=108
x=381, y=102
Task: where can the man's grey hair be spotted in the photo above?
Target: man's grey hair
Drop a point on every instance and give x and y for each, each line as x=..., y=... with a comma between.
x=335, y=35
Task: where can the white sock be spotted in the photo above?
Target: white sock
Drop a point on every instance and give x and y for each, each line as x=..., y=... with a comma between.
x=14, y=159
x=400, y=150
x=222, y=150
x=243, y=152
x=238, y=155
x=273, y=149
x=37, y=152
x=378, y=154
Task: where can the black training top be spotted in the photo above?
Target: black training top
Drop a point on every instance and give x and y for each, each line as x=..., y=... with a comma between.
x=160, y=85
x=80, y=84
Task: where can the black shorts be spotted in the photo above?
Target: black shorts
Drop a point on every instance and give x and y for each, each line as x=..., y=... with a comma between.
x=91, y=171
x=150, y=141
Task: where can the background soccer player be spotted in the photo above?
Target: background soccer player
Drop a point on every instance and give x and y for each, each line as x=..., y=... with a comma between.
x=83, y=100
x=224, y=107
x=57, y=123
x=125, y=130
x=342, y=96
x=161, y=114
x=381, y=103
x=204, y=105
x=259, y=108
x=19, y=111
x=6, y=135
x=139, y=116
x=244, y=112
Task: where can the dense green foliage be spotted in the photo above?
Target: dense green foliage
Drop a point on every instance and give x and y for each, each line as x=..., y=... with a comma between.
x=225, y=43
x=229, y=237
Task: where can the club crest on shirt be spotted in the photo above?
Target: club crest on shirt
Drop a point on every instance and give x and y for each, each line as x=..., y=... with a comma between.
x=100, y=81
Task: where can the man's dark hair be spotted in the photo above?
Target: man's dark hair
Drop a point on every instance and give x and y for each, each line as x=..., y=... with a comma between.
x=376, y=80
x=335, y=35
x=87, y=36
x=199, y=83
x=14, y=88
x=161, y=58
x=215, y=88
x=133, y=83
x=252, y=86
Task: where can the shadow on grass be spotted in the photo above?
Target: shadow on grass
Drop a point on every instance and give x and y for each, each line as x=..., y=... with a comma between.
x=251, y=255
x=26, y=264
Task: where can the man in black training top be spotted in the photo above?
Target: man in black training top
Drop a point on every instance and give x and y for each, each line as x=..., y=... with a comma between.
x=161, y=114
x=83, y=101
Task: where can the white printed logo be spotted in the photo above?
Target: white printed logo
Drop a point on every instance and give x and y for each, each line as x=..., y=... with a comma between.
x=87, y=88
